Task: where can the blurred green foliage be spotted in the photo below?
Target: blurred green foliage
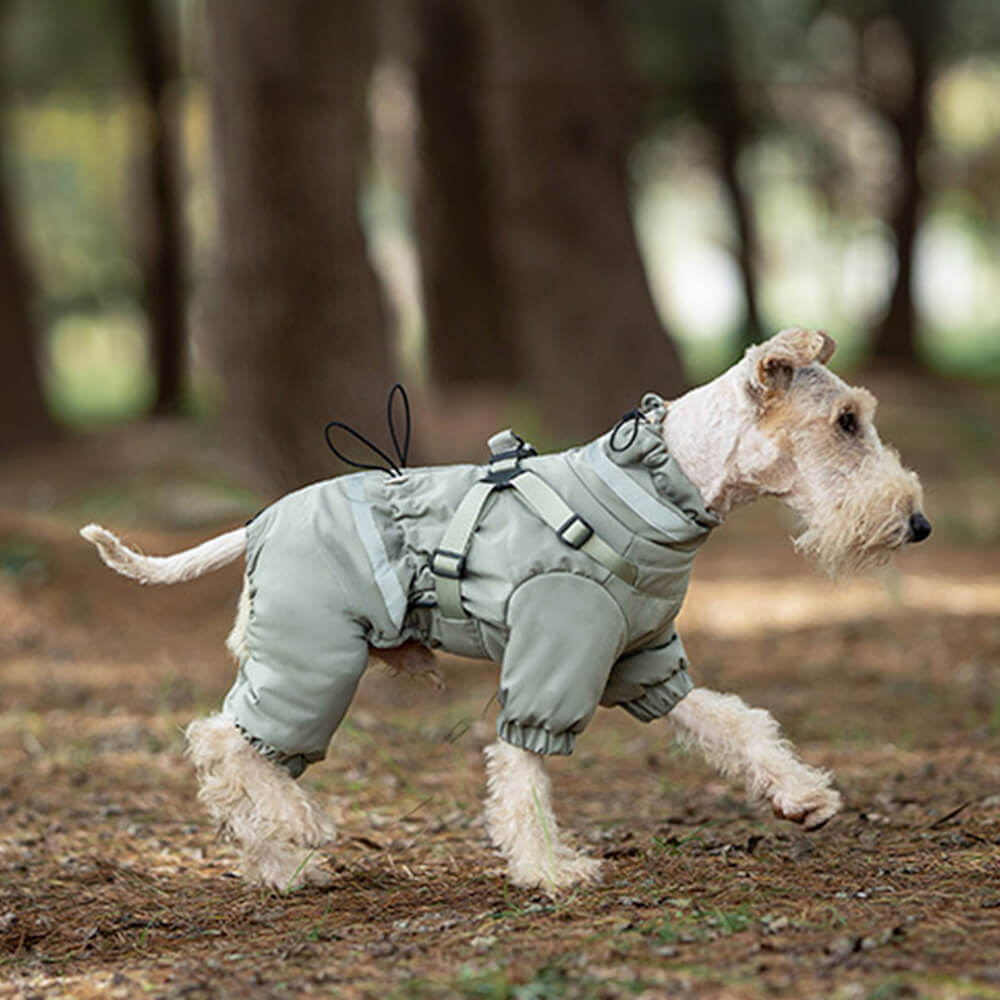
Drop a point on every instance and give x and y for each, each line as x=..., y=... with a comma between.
x=76, y=134
x=23, y=560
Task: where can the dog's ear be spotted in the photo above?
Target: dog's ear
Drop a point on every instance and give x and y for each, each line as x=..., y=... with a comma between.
x=773, y=363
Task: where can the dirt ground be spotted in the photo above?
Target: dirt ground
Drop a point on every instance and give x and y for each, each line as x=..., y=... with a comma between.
x=112, y=884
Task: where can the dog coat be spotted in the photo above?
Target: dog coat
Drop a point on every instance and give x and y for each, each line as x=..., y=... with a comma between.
x=578, y=610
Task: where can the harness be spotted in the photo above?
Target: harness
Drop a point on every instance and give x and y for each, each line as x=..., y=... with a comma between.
x=436, y=536
x=506, y=472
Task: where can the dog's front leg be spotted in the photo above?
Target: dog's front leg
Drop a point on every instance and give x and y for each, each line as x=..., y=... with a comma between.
x=522, y=824
x=746, y=744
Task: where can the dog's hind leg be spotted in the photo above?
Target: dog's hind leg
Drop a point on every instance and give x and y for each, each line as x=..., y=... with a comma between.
x=274, y=825
x=746, y=744
x=522, y=824
x=236, y=641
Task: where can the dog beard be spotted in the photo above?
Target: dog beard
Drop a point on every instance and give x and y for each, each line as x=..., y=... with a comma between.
x=866, y=528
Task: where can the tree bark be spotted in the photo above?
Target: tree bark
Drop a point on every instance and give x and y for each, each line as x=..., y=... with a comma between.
x=730, y=136
x=160, y=216
x=24, y=416
x=715, y=92
x=895, y=339
x=456, y=228
x=556, y=106
x=294, y=309
x=25, y=419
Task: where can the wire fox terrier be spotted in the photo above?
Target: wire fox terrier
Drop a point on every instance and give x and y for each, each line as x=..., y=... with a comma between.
x=567, y=569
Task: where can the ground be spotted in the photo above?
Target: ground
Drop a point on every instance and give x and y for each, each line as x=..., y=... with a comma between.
x=112, y=884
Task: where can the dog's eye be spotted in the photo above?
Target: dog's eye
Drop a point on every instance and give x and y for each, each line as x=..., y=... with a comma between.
x=848, y=422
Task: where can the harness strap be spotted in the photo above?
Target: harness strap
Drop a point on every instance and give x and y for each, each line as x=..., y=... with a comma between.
x=569, y=526
x=448, y=560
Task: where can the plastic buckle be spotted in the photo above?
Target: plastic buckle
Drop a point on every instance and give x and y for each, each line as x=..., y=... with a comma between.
x=450, y=565
x=502, y=475
x=575, y=532
x=506, y=465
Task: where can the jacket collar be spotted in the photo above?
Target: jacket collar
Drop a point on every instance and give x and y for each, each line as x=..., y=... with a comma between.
x=633, y=462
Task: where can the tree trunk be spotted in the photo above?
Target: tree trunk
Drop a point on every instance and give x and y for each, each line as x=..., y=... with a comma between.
x=160, y=216
x=729, y=135
x=295, y=309
x=556, y=105
x=24, y=417
x=895, y=340
x=455, y=226
x=716, y=95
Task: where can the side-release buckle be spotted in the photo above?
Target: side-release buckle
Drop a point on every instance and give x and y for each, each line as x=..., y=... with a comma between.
x=503, y=471
x=575, y=532
x=507, y=449
x=450, y=565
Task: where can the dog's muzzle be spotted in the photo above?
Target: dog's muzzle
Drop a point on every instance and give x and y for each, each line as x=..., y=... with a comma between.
x=920, y=527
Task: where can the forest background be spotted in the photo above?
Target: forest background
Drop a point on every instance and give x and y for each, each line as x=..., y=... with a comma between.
x=224, y=223
x=269, y=212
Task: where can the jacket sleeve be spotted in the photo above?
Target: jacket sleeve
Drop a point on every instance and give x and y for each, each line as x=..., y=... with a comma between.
x=566, y=633
x=650, y=682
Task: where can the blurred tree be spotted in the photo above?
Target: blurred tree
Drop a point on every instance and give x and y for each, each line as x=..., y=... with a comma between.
x=293, y=310
x=557, y=121
x=905, y=46
x=531, y=273
x=718, y=100
x=898, y=67
x=160, y=217
x=24, y=417
x=456, y=228
x=703, y=58
x=119, y=242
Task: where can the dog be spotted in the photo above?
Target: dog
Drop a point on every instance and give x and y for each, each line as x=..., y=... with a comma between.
x=568, y=569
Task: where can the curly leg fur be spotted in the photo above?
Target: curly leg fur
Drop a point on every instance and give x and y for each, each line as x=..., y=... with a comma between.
x=257, y=806
x=522, y=824
x=745, y=744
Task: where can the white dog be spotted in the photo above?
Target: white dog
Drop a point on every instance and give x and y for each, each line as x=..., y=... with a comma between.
x=569, y=569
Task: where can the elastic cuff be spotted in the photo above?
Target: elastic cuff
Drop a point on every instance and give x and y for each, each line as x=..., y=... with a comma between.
x=294, y=764
x=656, y=702
x=534, y=739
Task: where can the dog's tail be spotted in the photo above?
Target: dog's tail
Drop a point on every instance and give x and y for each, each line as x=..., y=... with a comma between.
x=188, y=565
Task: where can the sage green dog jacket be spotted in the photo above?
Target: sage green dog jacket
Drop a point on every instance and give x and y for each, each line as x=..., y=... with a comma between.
x=346, y=563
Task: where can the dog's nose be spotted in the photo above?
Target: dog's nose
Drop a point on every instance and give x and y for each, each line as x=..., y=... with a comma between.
x=920, y=528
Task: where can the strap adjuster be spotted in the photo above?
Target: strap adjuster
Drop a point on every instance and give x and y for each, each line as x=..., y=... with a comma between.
x=575, y=532
x=450, y=565
x=523, y=450
x=505, y=465
x=502, y=474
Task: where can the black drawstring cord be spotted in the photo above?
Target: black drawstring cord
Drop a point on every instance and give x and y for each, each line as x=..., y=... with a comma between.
x=390, y=467
x=634, y=416
x=401, y=453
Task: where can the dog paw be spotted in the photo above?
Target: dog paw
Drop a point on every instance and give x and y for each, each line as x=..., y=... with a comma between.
x=284, y=868
x=571, y=868
x=563, y=869
x=312, y=876
x=812, y=809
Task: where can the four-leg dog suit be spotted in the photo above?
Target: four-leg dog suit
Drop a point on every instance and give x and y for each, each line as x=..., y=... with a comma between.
x=568, y=569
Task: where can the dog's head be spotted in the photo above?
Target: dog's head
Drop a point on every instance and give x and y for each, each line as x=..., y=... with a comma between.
x=858, y=503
